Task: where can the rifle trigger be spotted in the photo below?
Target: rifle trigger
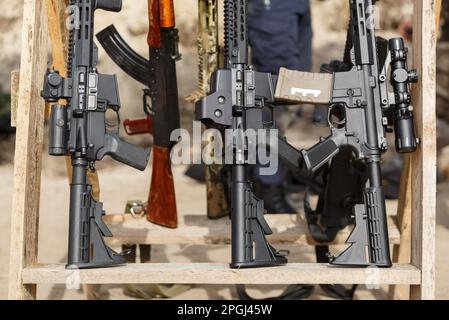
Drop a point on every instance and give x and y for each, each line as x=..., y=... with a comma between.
x=147, y=106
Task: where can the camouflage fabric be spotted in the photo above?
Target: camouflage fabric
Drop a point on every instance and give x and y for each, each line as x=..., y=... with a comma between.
x=217, y=202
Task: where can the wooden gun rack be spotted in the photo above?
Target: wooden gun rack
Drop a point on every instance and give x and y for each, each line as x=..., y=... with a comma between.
x=412, y=232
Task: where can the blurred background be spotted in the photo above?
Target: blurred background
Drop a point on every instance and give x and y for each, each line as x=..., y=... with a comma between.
x=120, y=183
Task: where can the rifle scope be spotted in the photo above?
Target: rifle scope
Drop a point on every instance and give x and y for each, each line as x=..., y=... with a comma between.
x=401, y=77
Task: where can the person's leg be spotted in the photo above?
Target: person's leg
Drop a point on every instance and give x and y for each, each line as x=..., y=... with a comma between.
x=304, y=42
x=278, y=39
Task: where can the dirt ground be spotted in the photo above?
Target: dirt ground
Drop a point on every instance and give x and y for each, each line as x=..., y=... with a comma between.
x=120, y=183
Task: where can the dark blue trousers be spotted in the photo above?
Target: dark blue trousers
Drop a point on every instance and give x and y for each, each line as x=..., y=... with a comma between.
x=280, y=35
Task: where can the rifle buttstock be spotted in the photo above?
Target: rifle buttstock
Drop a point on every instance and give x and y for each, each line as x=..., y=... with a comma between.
x=162, y=199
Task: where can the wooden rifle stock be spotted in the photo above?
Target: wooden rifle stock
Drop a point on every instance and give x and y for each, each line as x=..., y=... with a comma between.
x=161, y=207
x=162, y=199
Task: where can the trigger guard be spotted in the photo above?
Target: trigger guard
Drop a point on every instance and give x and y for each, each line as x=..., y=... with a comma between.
x=116, y=124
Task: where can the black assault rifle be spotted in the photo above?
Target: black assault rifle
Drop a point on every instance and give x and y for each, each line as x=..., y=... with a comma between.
x=80, y=130
x=236, y=102
x=360, y=111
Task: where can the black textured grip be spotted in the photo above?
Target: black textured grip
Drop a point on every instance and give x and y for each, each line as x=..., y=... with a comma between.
x=125, y=152
x=320, y=154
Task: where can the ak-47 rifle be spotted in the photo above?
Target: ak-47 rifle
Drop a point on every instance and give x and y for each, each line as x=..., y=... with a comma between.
x=236, y=102
x=160, y=100
x=80, y=130
x=360, y=110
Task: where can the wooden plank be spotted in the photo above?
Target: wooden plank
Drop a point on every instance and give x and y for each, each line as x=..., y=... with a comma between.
x=59, y=48
x=58, y=33
x=219, y=273
x=198, y=230
x=59, y=38
x=28, y=154
x=15, y=76
x=438, y=4
x=402, y=251
x=424, y=160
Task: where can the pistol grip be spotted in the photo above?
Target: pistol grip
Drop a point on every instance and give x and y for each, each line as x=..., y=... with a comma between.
x=125, y=152
x=320, y=154
x=138, y=126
